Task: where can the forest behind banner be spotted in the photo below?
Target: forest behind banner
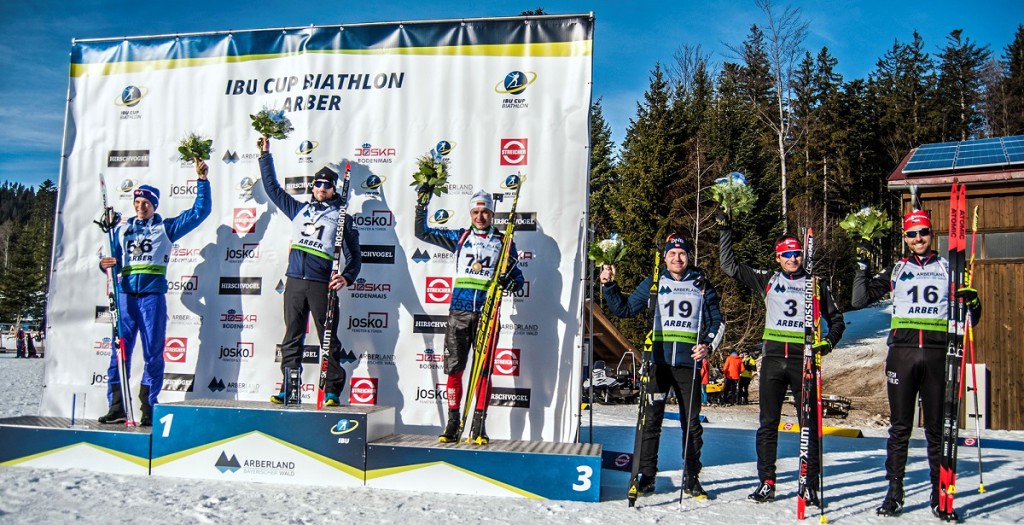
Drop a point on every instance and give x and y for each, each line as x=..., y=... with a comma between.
x=496, y=97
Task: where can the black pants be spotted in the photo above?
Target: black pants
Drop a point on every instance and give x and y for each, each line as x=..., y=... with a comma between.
x=300, y=298
x=459, y=337
x=731, y=391
x=744, y=396
x=688, y=394
x=909, y=372
x=778, y=374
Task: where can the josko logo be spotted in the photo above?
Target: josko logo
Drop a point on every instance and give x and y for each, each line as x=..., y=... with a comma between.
x=244, y=220
x=187, y=190
x=439, y=290
x=513, y=152
x=506, y=362
x=241, y=351
x=363, y=391
x=175, y=349
x=186, y=285
x=373, y=322
x=377, y=220
x=515, y=82
x=248, y=251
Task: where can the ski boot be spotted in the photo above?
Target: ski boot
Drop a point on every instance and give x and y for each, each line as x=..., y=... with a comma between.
x=942, y=515
x=765, y=492
x=116, y=413
x=477, y=433
x=645, y=485
x=694, y=489
x=451, y=430
x=892, y=505
x=331, y=400
x=147, y=410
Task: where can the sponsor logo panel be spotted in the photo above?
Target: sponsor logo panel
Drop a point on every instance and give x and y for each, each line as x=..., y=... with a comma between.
x=363, y=391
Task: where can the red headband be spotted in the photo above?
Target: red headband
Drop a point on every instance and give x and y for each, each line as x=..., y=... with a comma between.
x=787, y=245
x=916, y=218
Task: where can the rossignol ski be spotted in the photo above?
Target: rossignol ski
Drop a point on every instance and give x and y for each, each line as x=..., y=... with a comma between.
x=646, y=370
x=478, y=395
x=955, y=331
x=109, y=223
x=332, y=294
x=810, y=409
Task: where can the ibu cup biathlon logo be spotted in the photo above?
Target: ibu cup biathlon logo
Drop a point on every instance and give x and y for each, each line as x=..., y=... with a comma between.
x=344, y=426
x=515, y=82
x=373, y=182
x=443, y=148
x=440, y=217
x=512, y=182
x=131, y=96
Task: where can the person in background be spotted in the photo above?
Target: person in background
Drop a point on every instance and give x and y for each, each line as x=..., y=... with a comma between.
x=732, y=368
x=749, y=367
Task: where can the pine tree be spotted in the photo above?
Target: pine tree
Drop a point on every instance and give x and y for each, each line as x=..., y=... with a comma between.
x=960, y=87
x=603, y=177
x=1012, y=111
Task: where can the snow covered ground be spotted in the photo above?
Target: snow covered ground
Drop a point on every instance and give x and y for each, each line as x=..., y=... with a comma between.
x=854, y=478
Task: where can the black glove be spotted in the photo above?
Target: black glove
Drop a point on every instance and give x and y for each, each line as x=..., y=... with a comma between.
x=506, y=282
x=969, y=295
x=823, y=347
x=863, y=251
x=721, y=218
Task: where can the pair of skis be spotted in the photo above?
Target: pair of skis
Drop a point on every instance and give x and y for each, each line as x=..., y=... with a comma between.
x=955, y=336
x=811, y=407
x=646, y=370
x=108, y=223
x=332, y=294
x=478, y=395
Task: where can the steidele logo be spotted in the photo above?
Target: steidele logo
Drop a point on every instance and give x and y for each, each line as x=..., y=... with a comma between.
x=236, y=320
x=367, y=154
x=255, y=467
x=362, y=289
x=128, y=158
x=241, y=286
x=185, y=285
x=428, y=359
x=378, y=253
x=377, y=220
x=373, y=322
x=179, y=382
x=515, y=84
x=129, y=98
x=247, y=252
x=429, y=324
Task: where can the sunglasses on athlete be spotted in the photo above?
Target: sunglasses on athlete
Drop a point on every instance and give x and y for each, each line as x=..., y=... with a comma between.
x=322, y=184
x=923, y=232
x=791, y=254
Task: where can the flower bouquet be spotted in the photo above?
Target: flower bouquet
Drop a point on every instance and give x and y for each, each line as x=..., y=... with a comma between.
x=195, y=146
x=608, y=251
x=272, y=123
x=867, y=224
x=733, y=193
x=431, y=177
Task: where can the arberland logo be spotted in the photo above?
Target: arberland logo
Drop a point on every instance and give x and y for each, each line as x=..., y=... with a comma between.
x=420, y=256
x=178, y=382
x=241, y=286
x=128, y=158
x=664, y=290
x=429, y=324
x=227, y=465
x=780, y=288
x=907, y=276
x=299, y=185
x=230, y=157
x=525, y=221
x=515, y=82
x=378, y=254
x=513, y=152
x=344, y=426
x=216, y=385
x=131, y=96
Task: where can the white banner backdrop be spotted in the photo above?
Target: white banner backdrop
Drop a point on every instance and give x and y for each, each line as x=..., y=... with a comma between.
x=499, y=96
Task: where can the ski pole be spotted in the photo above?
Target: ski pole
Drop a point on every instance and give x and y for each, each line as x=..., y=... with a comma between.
x=689, y=409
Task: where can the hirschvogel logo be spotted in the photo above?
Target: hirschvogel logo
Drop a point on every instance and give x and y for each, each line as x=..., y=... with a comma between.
x=515, y=83
x=440, y=217
x=298, y=185
x=439, y=290
x=131, y=96
x=244, y=220
x=373, y=322
x=363, y=391
x=378, y=254
x=344, y=426
x=310, y=354
x=186, y=285
x=420, y=256
x=367, y=154
x=175, y=349
x=510, y=397
x=525, y=221
x=429, y=324
x=513, y=152
x=241, y=286
x=128, y=158
x=377, y=220
x=506, y=362
x=227, y=465
x=248, y=251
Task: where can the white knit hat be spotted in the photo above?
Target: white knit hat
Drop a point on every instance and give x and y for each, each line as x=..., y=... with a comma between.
x=481, y=199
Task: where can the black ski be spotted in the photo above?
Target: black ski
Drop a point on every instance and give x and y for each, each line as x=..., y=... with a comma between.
x=332, y=294
x=646, y=370
x=809, y=381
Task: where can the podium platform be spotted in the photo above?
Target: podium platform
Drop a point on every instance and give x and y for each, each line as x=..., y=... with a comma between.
x=259, y=442
x=528, y=469
x=50, y=442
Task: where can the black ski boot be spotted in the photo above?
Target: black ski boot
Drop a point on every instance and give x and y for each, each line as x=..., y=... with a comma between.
x=147, y=410
x=693, y=489
x=451, y=430
x=765, y=492
x=892, y=505
x=477, y=433
x=944, y=516
x=116, y=413
x=645, y=485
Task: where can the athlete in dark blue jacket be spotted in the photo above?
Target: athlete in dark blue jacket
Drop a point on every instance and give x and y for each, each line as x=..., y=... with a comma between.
x=141, y=261
x=314, y=227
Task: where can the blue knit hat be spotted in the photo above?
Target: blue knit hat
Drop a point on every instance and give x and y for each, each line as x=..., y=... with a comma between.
x=149, y=193
x=676, y=240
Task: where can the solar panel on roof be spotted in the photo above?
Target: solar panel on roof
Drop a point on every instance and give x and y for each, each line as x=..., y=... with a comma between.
x=967, y=154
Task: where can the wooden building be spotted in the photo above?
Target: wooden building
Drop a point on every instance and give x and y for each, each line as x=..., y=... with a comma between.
x=993, y=171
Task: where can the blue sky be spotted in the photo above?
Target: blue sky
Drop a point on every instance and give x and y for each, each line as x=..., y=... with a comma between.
x=630, y=38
